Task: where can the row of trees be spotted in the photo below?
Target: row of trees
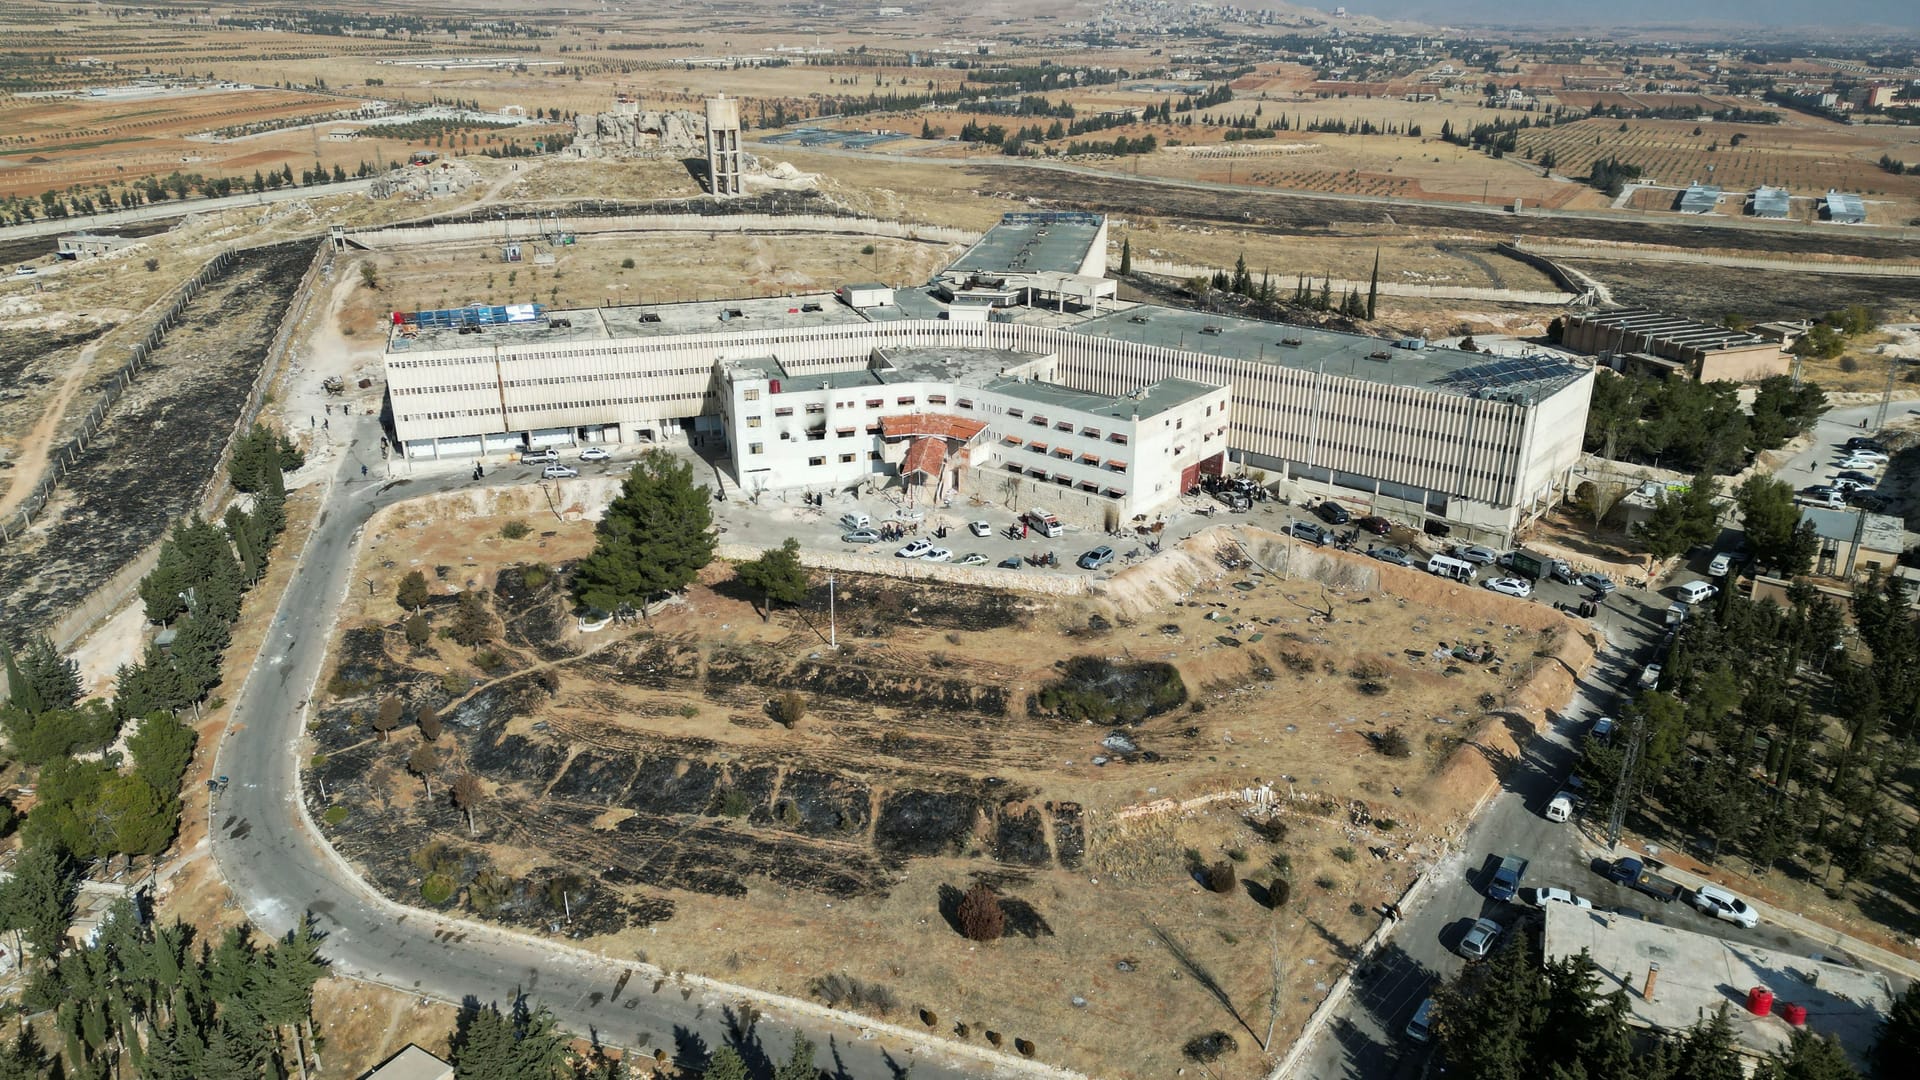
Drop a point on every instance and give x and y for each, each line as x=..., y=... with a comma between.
x=1266, y=297
x=1693, y=426
x=527, y=1044
x=1515, y=1016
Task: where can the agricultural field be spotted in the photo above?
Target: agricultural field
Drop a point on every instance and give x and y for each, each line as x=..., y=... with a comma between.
x=1806, y=157
x=638, y=790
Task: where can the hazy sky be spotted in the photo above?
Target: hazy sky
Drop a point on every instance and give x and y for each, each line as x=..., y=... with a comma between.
x=1831, y=13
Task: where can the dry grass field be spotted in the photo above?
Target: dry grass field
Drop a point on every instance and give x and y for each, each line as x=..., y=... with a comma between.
x=641, y=768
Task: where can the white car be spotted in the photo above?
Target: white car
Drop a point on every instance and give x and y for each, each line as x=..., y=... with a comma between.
x=916, y=550
x=1511, y=586
x=974, y=559
x=980, y=528
x=1870, y=457
x=1541, y=897
x=1721, y=904
x=1474, y=553
x=1480, y=938
x=938, y=555
x=595, y=453
x=559, y=472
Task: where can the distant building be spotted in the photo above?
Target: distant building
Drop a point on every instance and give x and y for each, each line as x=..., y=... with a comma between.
x=1770, y=202
x=1881, y=96
x=1698, y=199
x=1648, y=342
x=89, y=245
x=411, y=1063
x=1843, y=209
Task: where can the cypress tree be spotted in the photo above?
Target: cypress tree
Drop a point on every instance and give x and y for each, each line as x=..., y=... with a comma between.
x=1373, y=286
x=1126, y=257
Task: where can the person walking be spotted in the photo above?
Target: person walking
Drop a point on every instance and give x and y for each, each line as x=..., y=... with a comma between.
x=363, y=472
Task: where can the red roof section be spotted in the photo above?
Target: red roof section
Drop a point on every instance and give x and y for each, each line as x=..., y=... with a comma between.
x=926, y=455
x=921, y=424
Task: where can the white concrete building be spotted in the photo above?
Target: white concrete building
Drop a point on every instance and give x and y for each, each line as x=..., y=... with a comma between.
x=948, y=420
x=1463, y=444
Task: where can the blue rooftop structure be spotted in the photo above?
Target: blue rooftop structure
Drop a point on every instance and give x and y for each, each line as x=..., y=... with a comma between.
x=1843, y=208
x=1699, y=199
x=1770, y=202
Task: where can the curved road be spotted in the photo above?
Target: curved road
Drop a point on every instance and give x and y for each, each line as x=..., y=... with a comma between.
x=279, y=867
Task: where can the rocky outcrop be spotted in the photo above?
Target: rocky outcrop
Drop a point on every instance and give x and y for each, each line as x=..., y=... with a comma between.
x=636, y=133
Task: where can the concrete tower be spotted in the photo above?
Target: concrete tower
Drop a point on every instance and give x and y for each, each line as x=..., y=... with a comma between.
x=723, y=146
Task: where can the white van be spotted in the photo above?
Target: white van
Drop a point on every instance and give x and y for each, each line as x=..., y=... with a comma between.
x=1044, y=523
x=1449, y=567
x=1560, y=807
x=855, y=521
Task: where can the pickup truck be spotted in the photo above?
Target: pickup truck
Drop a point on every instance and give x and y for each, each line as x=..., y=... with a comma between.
x=1634, y=875
x=1506, y=877
x=1538, y=567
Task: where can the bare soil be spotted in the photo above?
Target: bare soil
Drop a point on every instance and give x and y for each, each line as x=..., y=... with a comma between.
x=639, y=775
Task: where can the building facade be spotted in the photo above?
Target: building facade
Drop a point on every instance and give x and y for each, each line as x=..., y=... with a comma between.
x=1067, y=395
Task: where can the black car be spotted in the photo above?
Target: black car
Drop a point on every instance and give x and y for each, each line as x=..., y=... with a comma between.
x=1333, y=513
x=1376, y=525
x=1861, y=442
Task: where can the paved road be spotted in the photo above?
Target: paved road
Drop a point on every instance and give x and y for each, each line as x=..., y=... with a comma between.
x=1817, y=463
x=1365, y=1037
x=161, y=211
x=279, y=868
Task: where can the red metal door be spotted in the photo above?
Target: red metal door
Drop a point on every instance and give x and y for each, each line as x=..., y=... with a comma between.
x=1189, y=476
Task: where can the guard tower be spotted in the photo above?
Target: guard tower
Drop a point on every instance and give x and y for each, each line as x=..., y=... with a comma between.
x=723, y=146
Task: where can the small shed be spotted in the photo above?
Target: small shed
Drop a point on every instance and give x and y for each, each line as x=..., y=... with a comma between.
x=870, y=294
x=84, y=245
x=1843, y=209
x=1770, y=202
x=1699, y=199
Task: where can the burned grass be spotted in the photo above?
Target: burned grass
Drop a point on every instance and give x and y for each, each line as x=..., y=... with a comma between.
x=123, y=494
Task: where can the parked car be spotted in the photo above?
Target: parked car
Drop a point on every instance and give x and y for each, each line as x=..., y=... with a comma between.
x=916, y=549
x=1011, y=562
x=1847, y=485
x=1420, y=1028
x=1692, y=592
x=1873, y=457
x=1599, y=583
x=1332, y=513
x=1862, y=442
x=595, y=453
x=1474, y=553
x=1721, y=904
x=1545, y=895
x=545, y=453
x=1097, y=558
x=1480, y=938
x=559, y=472
x=1650, y=677
x=862, y=536
x=973, y=559
x=1311, y=533
x=938, y=554
x=1854, y=474
x=980, y=528
x=1392, y=555
x=1602, y=729
x=1511, y=586
x=1375, y=524
x=856, y=521
x=1721, y=563
x=1867, y=499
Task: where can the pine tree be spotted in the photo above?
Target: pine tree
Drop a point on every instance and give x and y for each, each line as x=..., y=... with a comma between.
x=799, y=1064
x=20, y=692
x=1810, y=1056
x=51, y=680
x=776, y=575
x=36, y=903
x=230, y=966
x=1706, y=1052
x=726, y=1064
x=653, y=539
x=1899, y=1045
x=1126, y=257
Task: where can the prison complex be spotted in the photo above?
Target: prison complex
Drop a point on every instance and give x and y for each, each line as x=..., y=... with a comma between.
x=1016, y=376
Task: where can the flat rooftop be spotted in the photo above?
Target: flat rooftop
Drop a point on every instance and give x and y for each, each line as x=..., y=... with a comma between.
x=1377, y=360
x=1145, y=402
x=644, y=320
x=968, y=367
x=1699, y=973
x=1031, y=244
x=1672, y=329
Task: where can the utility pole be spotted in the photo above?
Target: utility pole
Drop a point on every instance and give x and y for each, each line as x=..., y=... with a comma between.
x=1623, y=790
x=833, y=624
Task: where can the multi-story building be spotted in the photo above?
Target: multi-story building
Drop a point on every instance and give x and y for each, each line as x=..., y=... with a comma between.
x=1103, y=409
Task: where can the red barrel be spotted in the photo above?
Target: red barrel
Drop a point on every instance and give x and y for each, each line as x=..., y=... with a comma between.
x=1760, y=1001
x=1795, y=1014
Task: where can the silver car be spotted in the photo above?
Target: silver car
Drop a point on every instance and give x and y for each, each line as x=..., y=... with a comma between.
x=1480, y=938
